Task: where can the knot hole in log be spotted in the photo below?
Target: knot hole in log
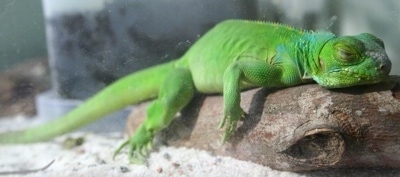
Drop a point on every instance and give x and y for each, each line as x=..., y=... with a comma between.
x=318, y=147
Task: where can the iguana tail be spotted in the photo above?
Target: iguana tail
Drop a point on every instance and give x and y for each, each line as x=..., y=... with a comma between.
x=136, y=87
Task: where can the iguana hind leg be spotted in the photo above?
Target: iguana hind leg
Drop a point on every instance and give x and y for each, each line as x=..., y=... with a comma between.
x=175, y=92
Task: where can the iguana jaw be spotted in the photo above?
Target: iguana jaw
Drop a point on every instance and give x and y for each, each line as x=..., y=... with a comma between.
x=347, y=78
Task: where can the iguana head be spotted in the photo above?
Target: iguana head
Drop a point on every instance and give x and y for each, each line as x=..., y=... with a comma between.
x=352, y=60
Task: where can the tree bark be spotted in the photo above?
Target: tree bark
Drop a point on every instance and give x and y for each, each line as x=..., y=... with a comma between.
x=297, y=129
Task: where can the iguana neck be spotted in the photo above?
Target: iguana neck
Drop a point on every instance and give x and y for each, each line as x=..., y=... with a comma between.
x=307, y=50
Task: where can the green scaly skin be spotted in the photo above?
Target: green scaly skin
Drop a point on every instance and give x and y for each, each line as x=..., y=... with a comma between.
x=234, y=55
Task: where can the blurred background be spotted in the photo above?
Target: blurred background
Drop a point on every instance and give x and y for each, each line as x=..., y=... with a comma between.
x=92, y=43
x=22, y=31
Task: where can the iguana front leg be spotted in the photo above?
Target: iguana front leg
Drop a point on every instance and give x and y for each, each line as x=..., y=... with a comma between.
x=175, y=92
x=245, y=73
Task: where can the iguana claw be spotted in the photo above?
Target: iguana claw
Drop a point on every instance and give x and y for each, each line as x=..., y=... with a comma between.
x=139, y=146
x=231, y=124
x=120, y=148
x=230, y=129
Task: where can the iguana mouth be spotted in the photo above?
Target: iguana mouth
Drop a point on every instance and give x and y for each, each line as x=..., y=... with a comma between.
x=361, y=75
x=347, y=77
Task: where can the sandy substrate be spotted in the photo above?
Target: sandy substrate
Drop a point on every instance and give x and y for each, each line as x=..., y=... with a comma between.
x=94, y=158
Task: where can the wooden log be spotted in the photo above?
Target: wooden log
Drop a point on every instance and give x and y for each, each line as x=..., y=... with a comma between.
x=299, y=128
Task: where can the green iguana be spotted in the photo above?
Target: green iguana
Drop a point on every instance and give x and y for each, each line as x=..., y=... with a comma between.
x=234, y=55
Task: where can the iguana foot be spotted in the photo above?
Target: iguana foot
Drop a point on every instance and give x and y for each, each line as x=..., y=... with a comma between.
x=231, y=121
x=139, y=146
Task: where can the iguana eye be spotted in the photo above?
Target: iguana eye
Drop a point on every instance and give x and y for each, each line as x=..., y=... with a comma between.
x=345, y=53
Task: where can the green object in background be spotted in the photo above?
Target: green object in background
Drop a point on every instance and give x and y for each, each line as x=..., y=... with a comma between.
x=22, y=31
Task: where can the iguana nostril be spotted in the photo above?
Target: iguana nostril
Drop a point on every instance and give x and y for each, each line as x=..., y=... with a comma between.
x=381, y=67
x=384, y=68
